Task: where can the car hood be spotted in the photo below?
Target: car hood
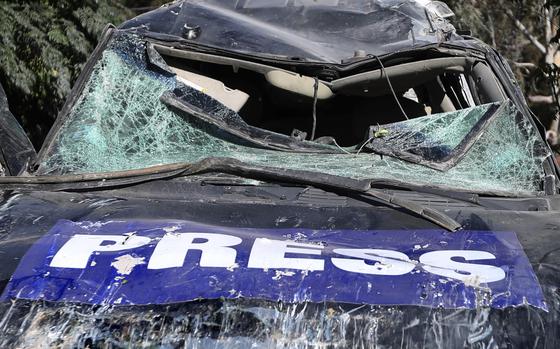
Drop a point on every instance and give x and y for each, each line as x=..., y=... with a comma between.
x=319, y=31
x=115, y=301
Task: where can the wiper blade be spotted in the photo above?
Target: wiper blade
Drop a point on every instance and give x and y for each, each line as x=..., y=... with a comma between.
x=327, y=181
x=428, y=213
x=234, y=167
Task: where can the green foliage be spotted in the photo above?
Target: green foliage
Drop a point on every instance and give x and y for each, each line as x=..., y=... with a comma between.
x=43, y=47
x=144, y=5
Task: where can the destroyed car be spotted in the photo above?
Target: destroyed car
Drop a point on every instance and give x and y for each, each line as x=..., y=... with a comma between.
x=284, y=173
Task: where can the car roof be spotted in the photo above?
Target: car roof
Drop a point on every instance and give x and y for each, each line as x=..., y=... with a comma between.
x=330, y=31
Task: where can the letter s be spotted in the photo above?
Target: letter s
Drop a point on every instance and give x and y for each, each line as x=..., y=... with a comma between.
x=441, y=263
x=387, y=262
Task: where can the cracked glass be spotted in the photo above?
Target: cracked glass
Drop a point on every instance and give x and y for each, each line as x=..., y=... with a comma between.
x=119, y=123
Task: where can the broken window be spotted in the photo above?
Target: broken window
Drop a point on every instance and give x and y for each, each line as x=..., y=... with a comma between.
x=120, y=122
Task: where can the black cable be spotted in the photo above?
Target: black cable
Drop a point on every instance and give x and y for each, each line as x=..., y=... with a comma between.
x=384, y=72
x=315, y=91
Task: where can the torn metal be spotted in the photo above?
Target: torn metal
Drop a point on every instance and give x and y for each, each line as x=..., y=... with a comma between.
x=319, y=31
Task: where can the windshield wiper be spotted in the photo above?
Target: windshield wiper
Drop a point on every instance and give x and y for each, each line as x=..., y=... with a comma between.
x=360, y=188
x=327, y=181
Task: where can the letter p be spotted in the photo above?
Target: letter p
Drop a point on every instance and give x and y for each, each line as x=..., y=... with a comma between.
x=75, y=253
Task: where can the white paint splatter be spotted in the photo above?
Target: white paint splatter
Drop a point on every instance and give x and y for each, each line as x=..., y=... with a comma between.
x=280, y=274
x=233, y=267
x=125, y=264
x=171, y=230
x=472, y=281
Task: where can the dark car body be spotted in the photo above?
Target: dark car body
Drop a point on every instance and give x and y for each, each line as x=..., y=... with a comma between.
x=142, y=159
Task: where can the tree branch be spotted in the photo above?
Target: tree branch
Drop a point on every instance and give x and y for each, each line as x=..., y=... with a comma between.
x=526, y=32
x=525, y=65
x=541, y=99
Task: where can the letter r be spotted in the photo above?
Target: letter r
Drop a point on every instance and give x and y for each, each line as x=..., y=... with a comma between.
x=172, y=250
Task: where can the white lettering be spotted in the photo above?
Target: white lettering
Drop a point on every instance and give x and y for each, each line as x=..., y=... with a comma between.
x=441, y=263
x=271, y=254
x=216, y=251
x=75, y=254
x=387, y=262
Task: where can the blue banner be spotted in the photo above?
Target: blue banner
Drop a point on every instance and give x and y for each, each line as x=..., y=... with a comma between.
x=157, y=262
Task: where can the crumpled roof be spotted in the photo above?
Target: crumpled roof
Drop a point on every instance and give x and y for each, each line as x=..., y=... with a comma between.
x=311, y=30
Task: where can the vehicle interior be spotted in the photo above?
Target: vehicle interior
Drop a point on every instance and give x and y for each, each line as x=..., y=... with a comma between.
x=285, y=102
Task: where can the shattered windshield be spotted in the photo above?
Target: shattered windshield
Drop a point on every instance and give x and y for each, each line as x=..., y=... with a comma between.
x=121, y=123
